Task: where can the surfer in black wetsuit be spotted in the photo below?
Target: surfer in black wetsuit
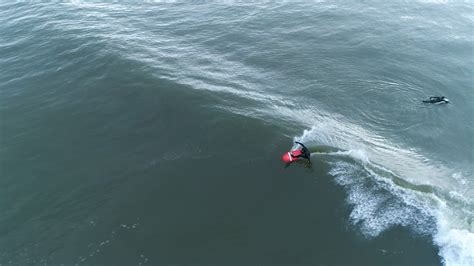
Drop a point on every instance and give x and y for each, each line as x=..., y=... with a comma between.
x=436, y=99
x=304, y=151
x=296, y=155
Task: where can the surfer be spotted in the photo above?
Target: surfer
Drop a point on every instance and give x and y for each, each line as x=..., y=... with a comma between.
x=297, y=154
x=436, y=99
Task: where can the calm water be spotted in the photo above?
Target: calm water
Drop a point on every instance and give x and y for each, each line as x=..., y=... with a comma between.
x=151, y=134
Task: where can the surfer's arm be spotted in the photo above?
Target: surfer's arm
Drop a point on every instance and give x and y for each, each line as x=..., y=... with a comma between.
x=297, y=142
x=302, y=145
x=306, y=153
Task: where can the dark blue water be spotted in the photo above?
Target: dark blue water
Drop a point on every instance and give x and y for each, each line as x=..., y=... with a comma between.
x=151, y=133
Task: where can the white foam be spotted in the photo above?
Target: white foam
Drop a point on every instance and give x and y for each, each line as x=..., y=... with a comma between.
x=404, y=18
x=456, y=244
x=379, y=206
x=460, y=178
x=424, y=200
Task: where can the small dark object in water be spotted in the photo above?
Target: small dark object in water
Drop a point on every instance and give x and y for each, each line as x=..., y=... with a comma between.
x=437, y=99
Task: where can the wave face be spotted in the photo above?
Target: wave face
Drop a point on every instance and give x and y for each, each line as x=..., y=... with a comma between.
x=348, y=75
x=389, y=186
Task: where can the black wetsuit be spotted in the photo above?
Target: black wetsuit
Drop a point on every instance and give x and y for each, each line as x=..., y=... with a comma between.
x=436, y=99
x=304, y=152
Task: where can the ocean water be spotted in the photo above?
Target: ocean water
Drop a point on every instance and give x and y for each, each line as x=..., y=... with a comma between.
x=150, y=133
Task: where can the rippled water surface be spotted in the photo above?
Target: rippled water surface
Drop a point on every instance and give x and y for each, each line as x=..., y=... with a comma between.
x=151, y=133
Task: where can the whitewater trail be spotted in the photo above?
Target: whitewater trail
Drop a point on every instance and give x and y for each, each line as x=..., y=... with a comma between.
x=384, y=193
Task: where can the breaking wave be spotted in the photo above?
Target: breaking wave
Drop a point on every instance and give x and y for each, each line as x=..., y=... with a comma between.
x=390, y=186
